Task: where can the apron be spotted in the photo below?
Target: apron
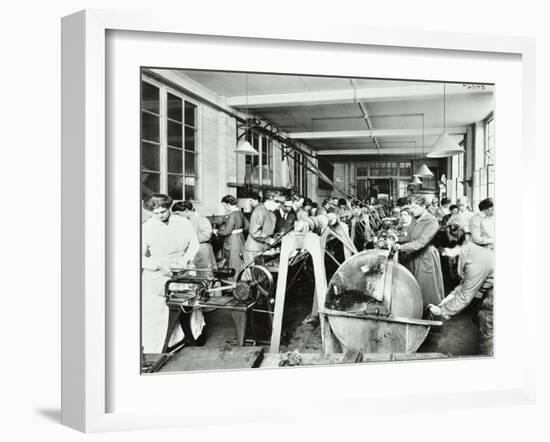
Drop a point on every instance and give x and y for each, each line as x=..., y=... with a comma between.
x=154, y=314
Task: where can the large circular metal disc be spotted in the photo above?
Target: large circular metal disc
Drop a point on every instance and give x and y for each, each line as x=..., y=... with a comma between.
x=369, y=283
x=368, y=278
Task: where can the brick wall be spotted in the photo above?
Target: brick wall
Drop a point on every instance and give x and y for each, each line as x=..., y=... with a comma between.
x=217, y=159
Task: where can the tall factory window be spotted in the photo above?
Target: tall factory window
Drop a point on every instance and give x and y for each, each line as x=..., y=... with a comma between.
x=300, y=173
x=150, y=140
x=489, y=141
x=490, y=155
x=362, y=169
x=430, y=183
x=328, y=170
x=405, y=169
x=259, y=168
x=267, y=161
x=168, y=143
x=383, y=169
x=297, y=174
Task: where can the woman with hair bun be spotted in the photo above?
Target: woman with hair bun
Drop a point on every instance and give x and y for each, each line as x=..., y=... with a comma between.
x=204, y=259
x=475, y=267
x=419, y=256
x=232, y=230
x=482, y=224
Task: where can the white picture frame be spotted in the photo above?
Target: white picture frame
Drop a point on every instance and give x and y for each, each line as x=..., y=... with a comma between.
x=86, y=218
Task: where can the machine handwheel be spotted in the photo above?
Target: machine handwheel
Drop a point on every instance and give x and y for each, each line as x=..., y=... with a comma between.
x=261, y=286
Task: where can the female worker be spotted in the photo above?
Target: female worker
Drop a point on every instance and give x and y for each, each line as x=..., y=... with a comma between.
x=482, y=225
x=405, y=219
x=167, y=242
x=204, y=259
x=451, y=217
x=419, y=256
x=475, y=267
x=232, y=230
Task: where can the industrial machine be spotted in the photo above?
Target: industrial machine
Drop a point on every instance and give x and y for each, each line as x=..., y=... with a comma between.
x=374, y=305
x=191, y=290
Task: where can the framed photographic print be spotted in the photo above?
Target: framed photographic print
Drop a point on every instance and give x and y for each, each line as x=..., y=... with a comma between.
x=287, y=210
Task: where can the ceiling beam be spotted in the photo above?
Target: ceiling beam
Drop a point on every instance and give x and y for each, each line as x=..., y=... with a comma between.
x=380, y=133
x=374, y=151
x=401, y=93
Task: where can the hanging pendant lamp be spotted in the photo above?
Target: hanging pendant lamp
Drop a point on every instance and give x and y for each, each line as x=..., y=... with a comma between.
x=423, y=170
x=445, y=146
x=244, y=147
x=416, y=180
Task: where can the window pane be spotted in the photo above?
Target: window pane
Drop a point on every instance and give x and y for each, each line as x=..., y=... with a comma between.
x=150, y=183
x=267, y=175
x=190, y=114
x=190, y=192
x=174, y=105
x=174, y=134
x=150, y=159
x=189, y=138
x=175, y=186
x=150, y=127
x=190, y=188
x=252, y=160
x=264, y=154
x=150, y=97
x=190, y=166
x=175, y=160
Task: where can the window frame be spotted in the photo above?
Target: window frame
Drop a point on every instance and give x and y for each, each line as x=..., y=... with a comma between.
x=250, y=160
x=164, y=90
x=490, y=119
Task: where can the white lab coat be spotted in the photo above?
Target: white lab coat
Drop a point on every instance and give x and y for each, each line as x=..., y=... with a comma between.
x=164, y=245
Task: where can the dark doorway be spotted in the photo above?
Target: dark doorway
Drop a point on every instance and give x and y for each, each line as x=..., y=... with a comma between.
x=379, y=186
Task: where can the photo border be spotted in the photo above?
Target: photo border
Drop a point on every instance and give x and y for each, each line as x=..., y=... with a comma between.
x=85, y=262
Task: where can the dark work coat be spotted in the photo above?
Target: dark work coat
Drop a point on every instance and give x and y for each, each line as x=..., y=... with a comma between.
x=284, y=224
x=232, y=230
x=422, y=259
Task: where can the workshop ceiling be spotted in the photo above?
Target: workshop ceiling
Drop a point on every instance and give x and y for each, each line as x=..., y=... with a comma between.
x=406, y=117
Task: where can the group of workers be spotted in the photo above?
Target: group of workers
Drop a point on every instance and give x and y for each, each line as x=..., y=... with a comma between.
x=433, y=237
x=448, y=241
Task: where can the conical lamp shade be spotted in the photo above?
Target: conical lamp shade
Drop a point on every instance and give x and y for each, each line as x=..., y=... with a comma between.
x=246, y=149
x=416, y=180
x=445, y=146
x=424, y=170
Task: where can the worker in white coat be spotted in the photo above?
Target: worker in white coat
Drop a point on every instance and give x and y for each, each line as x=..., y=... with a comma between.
x=167, y=242
x=482, y=225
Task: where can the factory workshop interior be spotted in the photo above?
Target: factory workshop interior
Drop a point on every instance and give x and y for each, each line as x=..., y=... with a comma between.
x=292, y=220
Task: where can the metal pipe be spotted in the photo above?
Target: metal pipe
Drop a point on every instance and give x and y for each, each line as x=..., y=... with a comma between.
x=365, y=113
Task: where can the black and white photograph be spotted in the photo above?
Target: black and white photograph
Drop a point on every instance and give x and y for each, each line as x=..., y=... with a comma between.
x=240, y=221
x=294, y=220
